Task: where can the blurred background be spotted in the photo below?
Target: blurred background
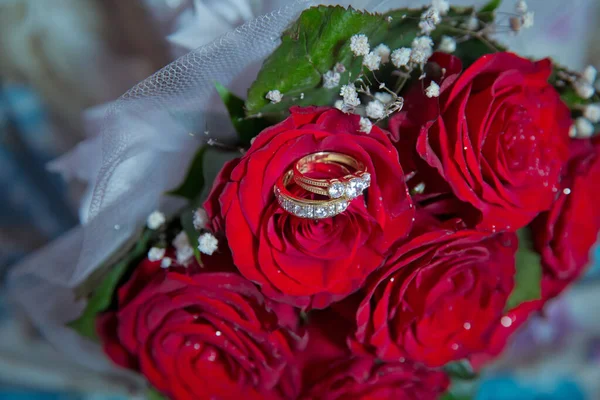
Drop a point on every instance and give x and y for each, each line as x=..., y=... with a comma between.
x=63, y=61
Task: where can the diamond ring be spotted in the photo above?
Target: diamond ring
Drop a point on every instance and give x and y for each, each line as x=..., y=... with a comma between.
x=348, y=186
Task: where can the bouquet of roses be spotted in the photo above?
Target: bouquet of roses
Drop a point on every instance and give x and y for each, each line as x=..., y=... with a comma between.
x=402, y=194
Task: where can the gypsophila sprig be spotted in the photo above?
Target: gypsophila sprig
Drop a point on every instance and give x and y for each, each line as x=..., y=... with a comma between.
x=583, y=128
x=421, y=49
x=447, y=44
x=429, y=20
x=372, y=61
x=359, y=45
x=384, y=97
x=401, y=57
x=592, y=112
x=521, y=7
x=433, y=90
x=589, y=74
x=155, y=220
x=442, y=6
x=274, y=96
x=166, y=262
x=349, y=96
x=375, y=110
x=528, y=20
x=331, y=79
x=365, y=125
x=156, y=253
x=200, y=219
x=383, y=52
x=207, y=243
x=583, y=89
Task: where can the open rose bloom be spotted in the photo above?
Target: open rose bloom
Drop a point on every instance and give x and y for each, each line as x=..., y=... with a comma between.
x=393, y=196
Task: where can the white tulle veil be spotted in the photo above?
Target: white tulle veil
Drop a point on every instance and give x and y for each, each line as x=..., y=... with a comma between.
x=145, y=142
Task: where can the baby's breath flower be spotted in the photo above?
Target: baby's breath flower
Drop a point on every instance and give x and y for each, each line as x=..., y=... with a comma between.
x=359, y=44
x=528, y=20
x=181, y=240
x=350, y=96
x=365, y=125
x=521, y=7
x=184, y=254
x=155, y=220
x=207, y=243
x=448, y=44
x=375, y=109
x=372, y=61
x=384, y=97
x=589, y=74
x=443, y=6
x=200, y=219
x=429, y=20
x=156, y=253
x=472, y=23
x=433, y=90
x=383, y=51
x=401, y=57
x=592, y=112
x=339, y=67
x=274, y=96
x=584, y=128
x=583, y=89
x=331, y=79
x=421, y=49
x=166, y=262
x=339, y=104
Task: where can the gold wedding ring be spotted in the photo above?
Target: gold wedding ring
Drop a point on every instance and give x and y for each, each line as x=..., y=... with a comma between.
x=306, y=208
x=349, y=186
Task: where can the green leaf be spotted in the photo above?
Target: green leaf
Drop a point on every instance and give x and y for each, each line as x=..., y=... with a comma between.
x=194, y=181
x=461, y=369
x=246, y=128
x=102, y=296
x=528, y=275
x=486, y=13
x=313, y=45
x=153, y=394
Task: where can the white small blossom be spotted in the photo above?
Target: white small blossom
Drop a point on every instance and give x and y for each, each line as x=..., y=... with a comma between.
x=350, y=96
x=156, y=253
x=421, y=49
x=181, y=240
x=384, y=97
x=184, y=254
x=429, y=20
x=433, y=90
x=573, y=131
x=472, y=23
x=592, y=112
x=331, y=79
x=389, y=19
x=583, y=89
x=383, y=52
x=166, y=262
x=584, y=128
x=274, y=96
x=448, y=44
x=339, y=67
x=155, y=220
x=528, y=20
x=401, y=57
x=443, y=6
x=359, y=44
x=365, y=125
x=207, y=243
x=339, y=104
x=375, y=109
x=372, y=61
x=589, y=74
x=200, y=219
x=521, y=7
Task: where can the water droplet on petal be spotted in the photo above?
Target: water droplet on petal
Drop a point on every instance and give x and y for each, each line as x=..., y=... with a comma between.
x=454, y=346
x=197, y=346
x=506, y=321
x=567, y=191
x=467, y=325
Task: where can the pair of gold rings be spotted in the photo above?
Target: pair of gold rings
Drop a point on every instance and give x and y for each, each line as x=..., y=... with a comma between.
x=339, y=191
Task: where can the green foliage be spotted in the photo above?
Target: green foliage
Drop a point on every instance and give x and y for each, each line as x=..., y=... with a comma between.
x=313, y=45
x=460, y=370
x=487, y=12
x=103, y=294
x=528, y=275
x=246, y=128
x=153, y=394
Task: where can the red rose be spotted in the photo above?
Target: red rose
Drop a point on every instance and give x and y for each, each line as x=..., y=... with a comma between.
x=495, y=140
x=304, y=262
x=565, y=235
x=200, y=335
x=438, y=298
x=331, y=372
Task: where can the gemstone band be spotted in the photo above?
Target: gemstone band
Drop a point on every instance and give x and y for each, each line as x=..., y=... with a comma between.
x=306, y=208
x=348, y=186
